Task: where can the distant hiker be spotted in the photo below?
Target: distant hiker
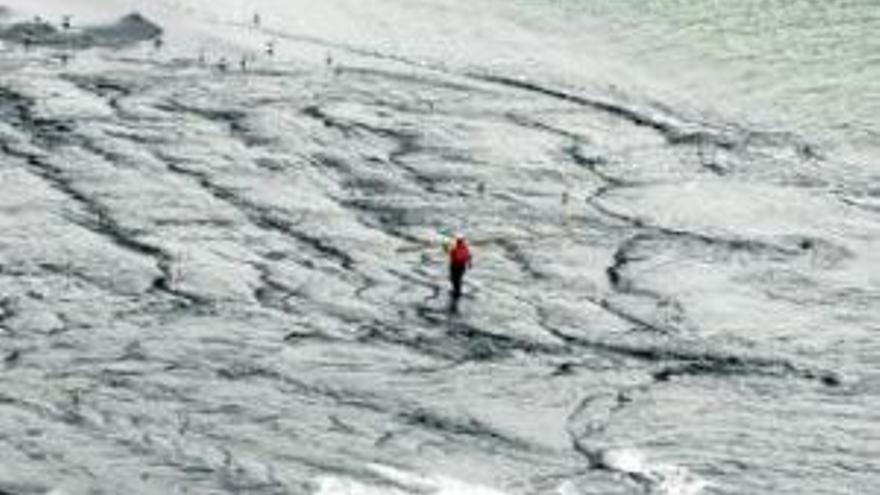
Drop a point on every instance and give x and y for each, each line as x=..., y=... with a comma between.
x=257, y=20
x=270, y=48
x=66, y=22
x=459, y=262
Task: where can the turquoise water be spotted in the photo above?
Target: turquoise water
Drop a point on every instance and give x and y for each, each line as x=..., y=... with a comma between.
x=807, y=65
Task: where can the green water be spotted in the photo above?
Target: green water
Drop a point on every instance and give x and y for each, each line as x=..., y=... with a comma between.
x=807, y=64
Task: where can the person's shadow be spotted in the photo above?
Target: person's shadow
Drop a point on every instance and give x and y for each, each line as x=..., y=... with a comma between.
x=452, y=306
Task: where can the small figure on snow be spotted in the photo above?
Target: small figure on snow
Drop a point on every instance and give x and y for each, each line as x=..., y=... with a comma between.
x=459, y=262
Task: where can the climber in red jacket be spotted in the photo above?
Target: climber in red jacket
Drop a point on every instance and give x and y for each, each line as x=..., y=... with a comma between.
x=459, y=262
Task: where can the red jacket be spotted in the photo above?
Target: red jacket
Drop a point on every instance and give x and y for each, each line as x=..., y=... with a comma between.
x=460, y=254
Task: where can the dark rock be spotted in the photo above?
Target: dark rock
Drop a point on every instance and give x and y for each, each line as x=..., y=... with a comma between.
x=131, y=29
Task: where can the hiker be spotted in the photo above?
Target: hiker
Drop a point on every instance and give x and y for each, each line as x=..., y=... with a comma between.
x=459, y=262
